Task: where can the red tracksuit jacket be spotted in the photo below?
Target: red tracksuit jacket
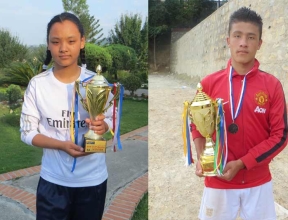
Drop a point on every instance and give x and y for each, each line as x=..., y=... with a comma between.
x=262, y=123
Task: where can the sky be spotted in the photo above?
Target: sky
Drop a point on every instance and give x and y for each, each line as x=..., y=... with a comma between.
x=28, y=19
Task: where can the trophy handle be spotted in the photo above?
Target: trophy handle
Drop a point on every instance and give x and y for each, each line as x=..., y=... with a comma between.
x=77, y=88
x=116, y=95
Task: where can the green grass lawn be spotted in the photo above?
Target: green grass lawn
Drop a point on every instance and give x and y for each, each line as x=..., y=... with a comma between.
x=14, y=154
x=141, y=212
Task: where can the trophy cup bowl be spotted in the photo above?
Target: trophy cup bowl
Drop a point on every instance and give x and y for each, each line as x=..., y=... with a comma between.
x=96, y=97
x=202, y=113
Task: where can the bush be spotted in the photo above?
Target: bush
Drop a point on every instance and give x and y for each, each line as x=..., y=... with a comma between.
x=3, y=96
x=96, y=55
x=123, y=58
x=143, y=75
x=132, y=83
x=122, y=74
x=20, y=73
x=11, y=120
x=109, y=77
x=14, y=93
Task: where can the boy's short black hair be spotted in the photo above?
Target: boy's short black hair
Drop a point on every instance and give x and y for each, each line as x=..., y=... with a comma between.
x=245, y=14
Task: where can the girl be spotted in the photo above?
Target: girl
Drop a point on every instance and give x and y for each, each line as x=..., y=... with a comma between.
x=65, y=190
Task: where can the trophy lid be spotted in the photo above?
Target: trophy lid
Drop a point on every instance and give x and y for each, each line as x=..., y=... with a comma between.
x=201, y=97
x=98, y=79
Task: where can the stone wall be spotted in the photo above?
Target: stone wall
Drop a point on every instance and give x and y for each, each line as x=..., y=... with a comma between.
x=203, y=50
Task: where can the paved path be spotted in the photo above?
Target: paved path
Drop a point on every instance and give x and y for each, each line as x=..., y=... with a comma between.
x=127, y=182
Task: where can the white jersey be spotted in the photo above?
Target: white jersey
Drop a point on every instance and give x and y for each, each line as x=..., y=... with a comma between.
x=46, y=110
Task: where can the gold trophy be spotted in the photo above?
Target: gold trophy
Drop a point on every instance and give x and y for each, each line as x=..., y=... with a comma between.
x=202, y=113
x=97, y=93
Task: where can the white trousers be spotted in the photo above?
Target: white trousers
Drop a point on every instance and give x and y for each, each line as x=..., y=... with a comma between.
x=256, y=203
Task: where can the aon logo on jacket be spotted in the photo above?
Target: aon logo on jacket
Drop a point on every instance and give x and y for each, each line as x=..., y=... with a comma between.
x=260, y=110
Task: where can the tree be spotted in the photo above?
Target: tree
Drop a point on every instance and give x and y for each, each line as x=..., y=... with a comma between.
x=143, y=53
x=11, y=49
x=90, y=24
x=168, y=14
x=157, y=23
x=78, y=7
x=37, y=53
x=129, y=32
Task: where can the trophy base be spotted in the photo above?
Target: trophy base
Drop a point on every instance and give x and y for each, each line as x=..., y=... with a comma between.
x=94, y=146
x=209, y=173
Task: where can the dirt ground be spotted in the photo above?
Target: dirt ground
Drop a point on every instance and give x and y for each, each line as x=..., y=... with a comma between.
x=174, y=190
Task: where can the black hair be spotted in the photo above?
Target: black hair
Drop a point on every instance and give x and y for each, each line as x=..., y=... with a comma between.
x=245, y=14
x=60, y=18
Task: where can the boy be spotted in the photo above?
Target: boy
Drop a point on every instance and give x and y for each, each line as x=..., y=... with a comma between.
x=256, y=122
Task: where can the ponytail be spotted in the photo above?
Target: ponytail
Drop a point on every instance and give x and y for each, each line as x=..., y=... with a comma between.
x=83, y=57
x=47, y=60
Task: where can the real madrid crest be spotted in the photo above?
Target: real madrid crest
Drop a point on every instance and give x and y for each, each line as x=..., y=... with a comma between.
x=261, y=98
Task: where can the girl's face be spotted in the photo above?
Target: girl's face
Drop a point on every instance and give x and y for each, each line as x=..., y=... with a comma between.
x=65, y=42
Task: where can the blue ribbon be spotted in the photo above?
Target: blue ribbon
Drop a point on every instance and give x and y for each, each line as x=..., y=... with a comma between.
x=119, y=115
x=234, y=116
x=188, y=140
x=221, y=114
x=76, y=119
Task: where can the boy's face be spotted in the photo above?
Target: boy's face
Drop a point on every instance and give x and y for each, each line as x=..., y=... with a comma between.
x=244, y=42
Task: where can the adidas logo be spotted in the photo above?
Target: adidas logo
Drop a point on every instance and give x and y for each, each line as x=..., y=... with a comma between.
x=260, y=110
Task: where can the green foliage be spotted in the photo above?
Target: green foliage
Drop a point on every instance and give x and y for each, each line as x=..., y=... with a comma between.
x=123, y=58
x=132, y=83
x=90, y=23
x=96, y=55
x=37, y=53
x=122, y=74
x=157, y=18
x=14, y=93
x=3, y=96
x=164, y=15
x=76, y=6
x=168, y=14
x=92, y=29
x=15, y=154
x=109, y=77
x=143, y=76
x=20, y=73
x=129, y=32
x=141, y=212
x=143, y=54
x=11, y=49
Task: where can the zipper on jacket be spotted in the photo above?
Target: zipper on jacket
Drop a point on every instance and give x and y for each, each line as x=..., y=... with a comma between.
x=243, y=136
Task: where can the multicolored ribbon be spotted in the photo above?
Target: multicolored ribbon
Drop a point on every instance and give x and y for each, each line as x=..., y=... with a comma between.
x=74, y=119
x=221, y=148
x=116, y=138
x=186, y=135
x=235, y=114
